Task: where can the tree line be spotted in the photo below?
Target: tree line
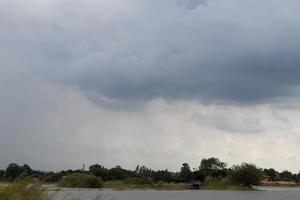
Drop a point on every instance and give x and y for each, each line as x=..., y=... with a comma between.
x=245, y=174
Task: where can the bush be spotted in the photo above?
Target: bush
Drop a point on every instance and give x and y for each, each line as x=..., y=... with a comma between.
x=245, y=174
x=198, y=175
x=80, y=180
x=23, y=177
x=24, y=191
x=139, y=181
x=51, y=177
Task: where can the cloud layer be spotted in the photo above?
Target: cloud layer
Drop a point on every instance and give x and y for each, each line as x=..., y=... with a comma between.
x=139, y=50
x=110, y=81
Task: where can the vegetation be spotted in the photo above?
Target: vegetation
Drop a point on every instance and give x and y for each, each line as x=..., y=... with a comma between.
x=23, y=191
x=245, y=174
x=13, y=171
x=222, y=184
x=186, y=174
x=213, y=167
x=81, y=180
x=125, y=185
x=211, y=173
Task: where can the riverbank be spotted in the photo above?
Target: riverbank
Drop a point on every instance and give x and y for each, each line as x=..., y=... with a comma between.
x=120, y=185
x=279, y=184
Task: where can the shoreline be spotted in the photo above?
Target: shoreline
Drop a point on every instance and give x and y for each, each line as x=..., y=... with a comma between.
x=117, y=186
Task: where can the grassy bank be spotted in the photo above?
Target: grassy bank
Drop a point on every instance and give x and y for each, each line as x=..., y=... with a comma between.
x=223, y=184
x=23, y=191
x=121, y=185
x=79, y=180
x=225, y=187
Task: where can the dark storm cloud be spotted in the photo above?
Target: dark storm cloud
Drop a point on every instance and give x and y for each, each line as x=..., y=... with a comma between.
x=240, y=51
x=232, y=51
x=146, y=63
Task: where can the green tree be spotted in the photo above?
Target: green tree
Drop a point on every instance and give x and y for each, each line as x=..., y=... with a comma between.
x=2, y=175
x=298, y=177
x=13, y=170
x=117, y=173
x=213, y=167
x=272, y=174
x=99, y=170
x=245, y=174
x=143, y=171
x=212, y=163
x=287, y=176
x=198, y=175
x=27, y=169
x=186, y=173
x=162, y=175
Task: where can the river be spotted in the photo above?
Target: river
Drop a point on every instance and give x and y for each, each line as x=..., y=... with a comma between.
x=264, y=193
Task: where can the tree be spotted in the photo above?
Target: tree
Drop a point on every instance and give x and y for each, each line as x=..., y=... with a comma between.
x=143, y=171
x=198, y=175
x=2, y=175
x=213, y=167
x=287, y=176
x=13, y=170
x=186, y=173
x=162, y=175
x=27, y=169
x=245, y=174
x=272, y=174
x=298, y=177
x=117, y=173
x=212, y=163
x=99, y=171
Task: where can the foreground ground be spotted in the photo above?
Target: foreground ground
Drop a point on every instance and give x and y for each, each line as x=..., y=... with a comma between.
x=25, y=191
x=119, y=185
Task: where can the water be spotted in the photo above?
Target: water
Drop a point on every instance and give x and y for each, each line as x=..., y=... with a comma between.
x=265, y=193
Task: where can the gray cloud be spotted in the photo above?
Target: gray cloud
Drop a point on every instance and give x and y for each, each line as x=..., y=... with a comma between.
x=229, y=122
x=73, y=74
x=218, y=51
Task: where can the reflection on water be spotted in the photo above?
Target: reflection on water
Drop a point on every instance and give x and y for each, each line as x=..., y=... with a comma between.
x=265, y=193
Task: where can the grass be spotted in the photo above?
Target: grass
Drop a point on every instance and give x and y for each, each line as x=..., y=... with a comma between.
x=3, y=184
x=226, y=187
x=29, y=191
x=121, y=185
x=79, y=180
x=222, y=184
x=23, y=191
x=209, y=184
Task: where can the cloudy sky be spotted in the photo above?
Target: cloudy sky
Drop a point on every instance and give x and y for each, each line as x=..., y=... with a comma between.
x=154, y=82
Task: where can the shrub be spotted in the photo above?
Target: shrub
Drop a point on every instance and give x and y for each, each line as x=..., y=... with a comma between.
x=80, y=180
x=216, y=182
x=140, y=181
x=23, y=177
x=51, y=177
x=245, y=174
x=24, y=191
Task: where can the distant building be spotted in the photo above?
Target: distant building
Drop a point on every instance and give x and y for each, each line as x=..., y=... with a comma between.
x=37, y=175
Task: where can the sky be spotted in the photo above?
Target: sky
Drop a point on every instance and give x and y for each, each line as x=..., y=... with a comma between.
x=149, y=82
